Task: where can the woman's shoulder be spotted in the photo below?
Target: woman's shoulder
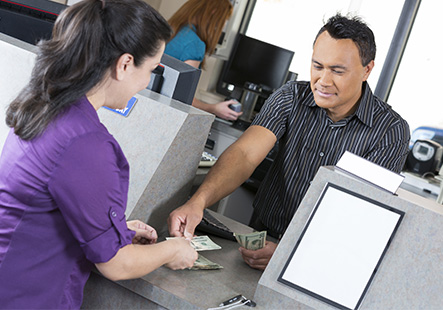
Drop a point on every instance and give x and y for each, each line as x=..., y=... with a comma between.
x=186, y=45
x=78, y=121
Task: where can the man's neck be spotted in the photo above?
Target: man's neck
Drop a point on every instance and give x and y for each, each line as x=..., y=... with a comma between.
x=338, y=115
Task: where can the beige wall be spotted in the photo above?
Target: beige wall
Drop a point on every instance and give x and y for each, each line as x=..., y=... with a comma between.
x=154, y=3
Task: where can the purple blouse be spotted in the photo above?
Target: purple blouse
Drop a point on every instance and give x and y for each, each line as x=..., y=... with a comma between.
x=62, y=208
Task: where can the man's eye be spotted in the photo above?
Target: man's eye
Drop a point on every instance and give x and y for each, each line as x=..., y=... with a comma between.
x=338, y=71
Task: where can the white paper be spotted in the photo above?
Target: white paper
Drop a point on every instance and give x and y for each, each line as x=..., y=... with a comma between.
x=341, y=247
x=370, y=172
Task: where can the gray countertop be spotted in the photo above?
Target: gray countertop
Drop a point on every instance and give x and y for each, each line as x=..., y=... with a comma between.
x=201, y=289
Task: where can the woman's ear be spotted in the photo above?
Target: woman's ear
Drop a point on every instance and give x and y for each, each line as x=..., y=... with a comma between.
x=124, y=65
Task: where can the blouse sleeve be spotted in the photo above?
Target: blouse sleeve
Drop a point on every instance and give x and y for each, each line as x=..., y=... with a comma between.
x=89, y=185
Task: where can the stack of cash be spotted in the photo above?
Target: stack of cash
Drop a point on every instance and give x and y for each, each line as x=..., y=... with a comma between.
x=202, y=263
x=203, y=243
x=253, y=241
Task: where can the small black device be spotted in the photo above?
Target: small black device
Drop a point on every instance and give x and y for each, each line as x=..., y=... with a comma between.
x=157, y=78
x=211, y=225
x=235, y=106
x=424, y=157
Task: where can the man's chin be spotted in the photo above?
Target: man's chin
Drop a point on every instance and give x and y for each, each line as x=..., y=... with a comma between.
x=323, y=102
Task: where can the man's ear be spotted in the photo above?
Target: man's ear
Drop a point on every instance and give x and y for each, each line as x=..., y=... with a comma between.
x=368, y=68
x=124, y=64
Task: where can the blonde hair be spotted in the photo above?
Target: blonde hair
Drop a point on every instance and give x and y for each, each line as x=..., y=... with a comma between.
x=208, y=17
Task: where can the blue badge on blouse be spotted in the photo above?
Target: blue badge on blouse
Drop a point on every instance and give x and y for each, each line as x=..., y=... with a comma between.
x=127, y=109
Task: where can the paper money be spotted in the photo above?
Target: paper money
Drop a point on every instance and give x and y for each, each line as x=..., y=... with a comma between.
x=253, y=241
x=202, y=243
x=202, y=263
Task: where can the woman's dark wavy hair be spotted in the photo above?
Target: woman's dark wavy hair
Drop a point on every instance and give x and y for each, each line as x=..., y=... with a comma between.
x=87, y=40
x=341, y=27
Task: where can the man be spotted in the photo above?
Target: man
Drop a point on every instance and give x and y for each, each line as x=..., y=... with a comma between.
x=314, y=124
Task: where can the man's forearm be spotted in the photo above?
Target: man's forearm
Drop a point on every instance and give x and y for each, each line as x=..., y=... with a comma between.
x=225, y=176
x=235, y=165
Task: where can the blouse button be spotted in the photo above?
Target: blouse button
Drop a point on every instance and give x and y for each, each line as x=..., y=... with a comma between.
x=113, y=214
x=322, y=154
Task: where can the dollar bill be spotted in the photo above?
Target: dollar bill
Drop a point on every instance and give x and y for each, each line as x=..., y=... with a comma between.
x=202, y=263
x=253, y=241
x=202, y=243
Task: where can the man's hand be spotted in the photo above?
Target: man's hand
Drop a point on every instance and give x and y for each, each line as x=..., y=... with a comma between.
x=259, y=259
x=144, y=234
x=182, y=221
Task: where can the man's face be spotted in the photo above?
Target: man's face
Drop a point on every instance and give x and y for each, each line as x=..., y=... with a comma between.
x=337, y=75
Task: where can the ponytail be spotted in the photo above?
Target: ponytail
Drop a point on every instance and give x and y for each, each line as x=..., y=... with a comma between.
x=86, y=42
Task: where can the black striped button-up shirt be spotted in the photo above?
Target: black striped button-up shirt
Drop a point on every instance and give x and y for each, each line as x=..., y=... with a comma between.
x=308, y=139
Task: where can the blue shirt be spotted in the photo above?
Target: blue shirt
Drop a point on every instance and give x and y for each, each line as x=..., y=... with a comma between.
x=186, y=45
x=62, y=208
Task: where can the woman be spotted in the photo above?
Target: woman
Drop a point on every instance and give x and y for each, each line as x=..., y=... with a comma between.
x=63, y=177
x=197, y=27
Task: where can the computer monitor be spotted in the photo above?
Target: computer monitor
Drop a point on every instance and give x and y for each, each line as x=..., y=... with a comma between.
x=175, y=79
x=29, y=20
x=256, y=62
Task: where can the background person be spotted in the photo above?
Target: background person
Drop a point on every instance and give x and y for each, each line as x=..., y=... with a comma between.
x=197, y=27
x=63, y=177
x=314, y=123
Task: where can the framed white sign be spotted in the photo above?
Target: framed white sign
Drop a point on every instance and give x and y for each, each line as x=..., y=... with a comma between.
x=341, y=247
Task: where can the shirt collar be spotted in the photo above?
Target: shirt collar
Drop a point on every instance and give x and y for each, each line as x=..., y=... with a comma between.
x=193, y=28
x=365, y=110
x=86, y=106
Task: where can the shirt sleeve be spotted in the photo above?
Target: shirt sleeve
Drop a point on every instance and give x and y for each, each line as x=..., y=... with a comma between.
x=393, y=147
x=276, y=110
x=89, y=185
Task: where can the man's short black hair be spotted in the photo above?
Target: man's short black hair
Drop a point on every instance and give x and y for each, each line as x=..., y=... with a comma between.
x=342, y=27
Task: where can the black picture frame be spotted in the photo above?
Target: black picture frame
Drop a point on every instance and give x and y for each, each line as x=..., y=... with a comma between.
x=282, y=279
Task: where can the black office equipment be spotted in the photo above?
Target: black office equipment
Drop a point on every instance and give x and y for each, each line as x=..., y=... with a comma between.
x=256, y=62
x=29, y=20
x=157, y=78
x=425, y=157
x=211, y=225
x=179, y=80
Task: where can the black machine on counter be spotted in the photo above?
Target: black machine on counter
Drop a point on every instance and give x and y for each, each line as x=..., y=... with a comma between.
x=425, y=157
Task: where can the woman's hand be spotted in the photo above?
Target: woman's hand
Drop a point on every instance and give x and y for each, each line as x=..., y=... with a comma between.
x=223, y=110
x=185, y=255
x=144, y=234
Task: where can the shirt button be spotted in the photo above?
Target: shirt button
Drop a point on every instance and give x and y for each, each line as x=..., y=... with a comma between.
x=113, y=214
x=322, y=154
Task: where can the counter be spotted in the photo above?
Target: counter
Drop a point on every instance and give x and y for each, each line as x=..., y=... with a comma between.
x=180, y=289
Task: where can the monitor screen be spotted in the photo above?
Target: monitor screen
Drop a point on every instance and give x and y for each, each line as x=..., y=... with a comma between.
x=257, y=62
